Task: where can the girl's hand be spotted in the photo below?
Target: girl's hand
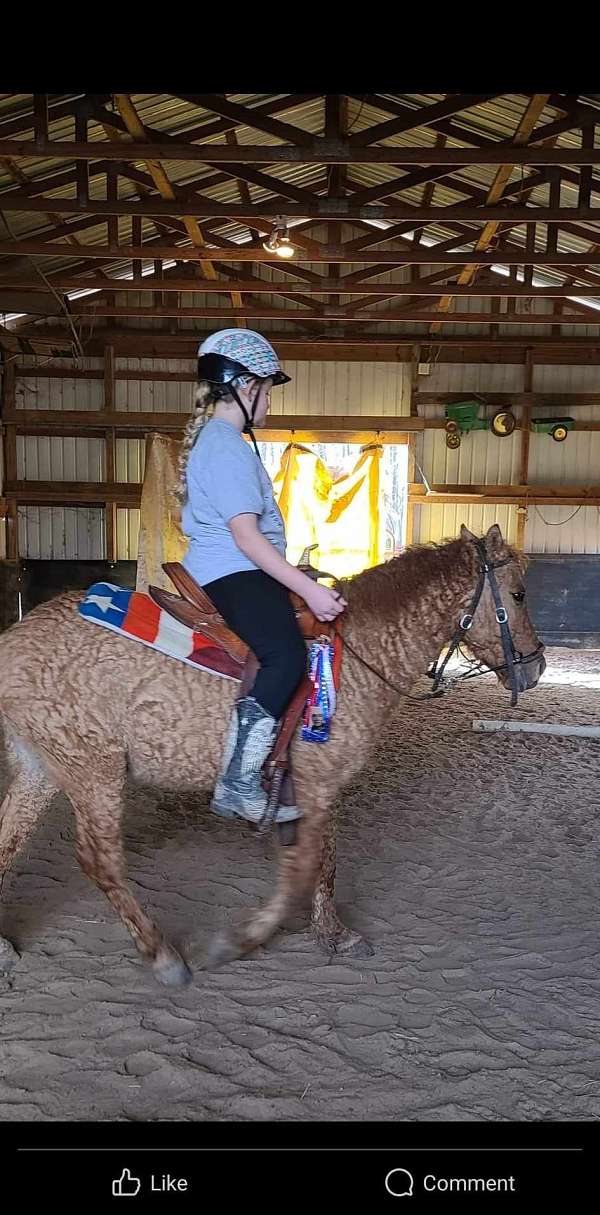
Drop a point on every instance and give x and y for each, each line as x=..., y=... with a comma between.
x=325, y=604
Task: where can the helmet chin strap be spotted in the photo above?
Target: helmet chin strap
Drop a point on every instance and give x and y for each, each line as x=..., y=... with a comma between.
x=248, y=416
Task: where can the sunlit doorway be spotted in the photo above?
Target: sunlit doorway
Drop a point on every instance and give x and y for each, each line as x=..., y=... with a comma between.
x=348, y=499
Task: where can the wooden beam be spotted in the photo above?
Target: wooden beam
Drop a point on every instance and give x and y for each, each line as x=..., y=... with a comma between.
x=123, y=420
x=348, y=285
x=560, y=400
x=206, y=130
x=40, y=118
x=501, y=179
x=129, y=494
x=552, y=230
x=345, y=346
x=9, y=444
x=329, y=313
x=525, y=442
x=316, y=151
x=246, y=116
x=136, y=129
x=495, y=497
x=202, y=207
x=126, y=493
x=110, y=440
x=411, y=254
x=575, y=117
x=83, y=181
x=419, y=117
x=545, y=490
x=585, y=175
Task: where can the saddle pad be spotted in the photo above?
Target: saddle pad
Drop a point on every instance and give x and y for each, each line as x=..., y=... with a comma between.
x=135, y=615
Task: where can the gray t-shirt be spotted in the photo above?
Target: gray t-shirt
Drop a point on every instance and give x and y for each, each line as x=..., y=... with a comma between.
x=225, y=478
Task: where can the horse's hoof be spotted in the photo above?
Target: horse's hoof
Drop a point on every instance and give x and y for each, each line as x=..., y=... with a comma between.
x=346, y=944
x=171, y=970
x=353, y=946
x=8, y=955
x=223, y=948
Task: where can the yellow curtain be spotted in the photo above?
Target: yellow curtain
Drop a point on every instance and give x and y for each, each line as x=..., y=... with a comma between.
x=341, y=516
x=161, y=538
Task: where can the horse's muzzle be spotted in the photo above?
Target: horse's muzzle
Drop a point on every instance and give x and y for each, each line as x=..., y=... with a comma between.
x=527, y=674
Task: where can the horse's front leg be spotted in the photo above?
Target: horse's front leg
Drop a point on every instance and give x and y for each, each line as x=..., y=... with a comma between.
x=331, y=934
x=297, y=874
x=299, y=878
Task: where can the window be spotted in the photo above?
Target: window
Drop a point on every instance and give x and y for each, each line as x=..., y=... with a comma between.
x=334, y=495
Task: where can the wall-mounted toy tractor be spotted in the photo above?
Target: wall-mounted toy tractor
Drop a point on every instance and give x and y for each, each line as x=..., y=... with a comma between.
x=463, y=417
x=557, y=427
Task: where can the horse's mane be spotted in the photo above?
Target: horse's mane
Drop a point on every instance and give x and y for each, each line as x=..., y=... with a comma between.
x=406, y=580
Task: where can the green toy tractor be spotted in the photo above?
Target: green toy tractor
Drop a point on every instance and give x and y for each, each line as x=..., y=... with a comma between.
x=557, y=427
x=463, y=417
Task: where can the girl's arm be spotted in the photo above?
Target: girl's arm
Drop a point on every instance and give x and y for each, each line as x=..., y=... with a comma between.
x=325, y=604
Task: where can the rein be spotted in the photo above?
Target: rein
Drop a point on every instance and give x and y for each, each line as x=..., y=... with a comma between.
x=512, y=657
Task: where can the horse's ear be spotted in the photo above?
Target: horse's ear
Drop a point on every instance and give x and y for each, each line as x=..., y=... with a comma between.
x=465, y=534
x=494, y=541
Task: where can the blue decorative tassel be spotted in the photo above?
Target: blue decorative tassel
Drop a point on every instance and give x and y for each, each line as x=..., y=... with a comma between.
x=320, y=705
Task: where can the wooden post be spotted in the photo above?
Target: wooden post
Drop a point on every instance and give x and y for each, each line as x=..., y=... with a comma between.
x=552, y=229
x=10, y=460
x=525, y=439
x=530, y=234
x=110, y=508
x=410, y=506
x=112, y=193
x=82, y=167
x=136, y=240
x=40, y=117
x=158, y=296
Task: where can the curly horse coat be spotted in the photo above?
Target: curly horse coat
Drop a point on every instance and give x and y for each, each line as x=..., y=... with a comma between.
x=84, y=708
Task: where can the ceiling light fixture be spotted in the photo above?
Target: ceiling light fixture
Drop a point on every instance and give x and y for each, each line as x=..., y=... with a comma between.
x=278, y=240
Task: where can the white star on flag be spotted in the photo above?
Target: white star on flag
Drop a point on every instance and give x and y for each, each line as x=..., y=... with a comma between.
x=104, y=602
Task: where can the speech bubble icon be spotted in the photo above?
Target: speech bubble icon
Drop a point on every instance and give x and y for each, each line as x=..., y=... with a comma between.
x=399, y=1183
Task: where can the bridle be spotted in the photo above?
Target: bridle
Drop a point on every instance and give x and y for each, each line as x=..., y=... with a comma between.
x=513, y=658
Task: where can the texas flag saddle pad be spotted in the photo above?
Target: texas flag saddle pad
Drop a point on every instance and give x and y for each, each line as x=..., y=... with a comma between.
x=135, y=615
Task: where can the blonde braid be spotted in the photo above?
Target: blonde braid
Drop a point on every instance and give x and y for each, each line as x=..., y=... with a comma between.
x=206, y=399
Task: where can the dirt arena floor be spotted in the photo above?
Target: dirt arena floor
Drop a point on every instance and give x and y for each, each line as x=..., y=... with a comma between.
x=471, y=862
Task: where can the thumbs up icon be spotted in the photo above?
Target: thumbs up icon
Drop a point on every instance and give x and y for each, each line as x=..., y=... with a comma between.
x=126, y=1186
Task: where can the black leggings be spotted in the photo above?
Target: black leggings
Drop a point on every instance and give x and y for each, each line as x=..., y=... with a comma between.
x=258, y=609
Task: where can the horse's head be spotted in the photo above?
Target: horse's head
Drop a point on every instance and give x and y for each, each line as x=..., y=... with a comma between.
x=484, y=637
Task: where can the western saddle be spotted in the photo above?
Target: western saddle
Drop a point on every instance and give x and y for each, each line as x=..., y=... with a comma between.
x=231, y=656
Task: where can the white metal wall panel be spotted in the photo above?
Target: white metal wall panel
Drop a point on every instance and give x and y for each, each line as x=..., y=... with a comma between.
x=346, y=389
x=128, y=527
x=130, y=460
x=164, y=396
x=433, y=524
x=574, y=462
x=62, y=533
x=472, y=377
x=563, y=529
x=59, y=459
x=316, y=388
x=564, y=377
x=481, y=458
x=45, y=392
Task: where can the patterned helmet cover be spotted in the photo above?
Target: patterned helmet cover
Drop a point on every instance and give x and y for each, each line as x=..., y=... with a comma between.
x=246, y=347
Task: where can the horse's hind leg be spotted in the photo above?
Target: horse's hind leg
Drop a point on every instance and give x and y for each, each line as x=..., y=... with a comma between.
x=98, y=813
x=28, y=794
x=325, y=923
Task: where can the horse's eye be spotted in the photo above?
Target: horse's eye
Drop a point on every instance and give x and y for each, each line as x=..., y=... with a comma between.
x=518, y=596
